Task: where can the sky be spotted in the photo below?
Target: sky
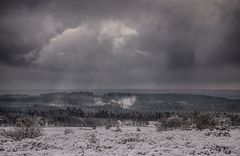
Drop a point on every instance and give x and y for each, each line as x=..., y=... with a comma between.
x=120, y=44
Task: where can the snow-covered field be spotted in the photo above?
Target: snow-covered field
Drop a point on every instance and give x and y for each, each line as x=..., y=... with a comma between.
x=86, y=141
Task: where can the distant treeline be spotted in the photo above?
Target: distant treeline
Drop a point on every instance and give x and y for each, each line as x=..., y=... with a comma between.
x=70, y=109
x=72, y=116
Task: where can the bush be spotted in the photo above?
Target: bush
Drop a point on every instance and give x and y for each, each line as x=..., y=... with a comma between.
x=108, y=126
x=223, y=122
x=199, y=121
x=118, y=129
x=158, y=126
x=68, y=131
x=138, y=129
x=218, y=133
x=93, y=139
x=205, y=121
x=25, y=128
x=172, y=122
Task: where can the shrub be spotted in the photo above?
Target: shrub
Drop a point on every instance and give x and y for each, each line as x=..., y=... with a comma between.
x=223, y=122
x=204, y=121
x=158, y=126
x=172, y=122
x=218, y=133
x=108, y=126
x=93, y=139
x=68, y=131
x=118, y=129
x=138, y=129
x=199, y=121
x=25, y=128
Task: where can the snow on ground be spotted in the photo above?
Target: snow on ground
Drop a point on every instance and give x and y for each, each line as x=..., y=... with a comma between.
x=89, y=142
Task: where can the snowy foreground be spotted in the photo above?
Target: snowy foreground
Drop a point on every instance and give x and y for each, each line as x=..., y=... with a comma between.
x=85, y=141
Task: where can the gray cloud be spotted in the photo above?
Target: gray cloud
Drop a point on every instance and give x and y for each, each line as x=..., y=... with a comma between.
x=120, y=44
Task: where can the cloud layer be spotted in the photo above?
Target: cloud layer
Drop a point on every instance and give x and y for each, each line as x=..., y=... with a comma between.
x=120, y=44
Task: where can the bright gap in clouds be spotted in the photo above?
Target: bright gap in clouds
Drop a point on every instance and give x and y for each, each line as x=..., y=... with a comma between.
x=75, y=44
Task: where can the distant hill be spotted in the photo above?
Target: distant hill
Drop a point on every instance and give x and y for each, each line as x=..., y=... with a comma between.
x=161, y=102
x=227, y=93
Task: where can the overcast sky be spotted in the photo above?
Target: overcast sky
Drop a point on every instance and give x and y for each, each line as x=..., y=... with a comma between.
x=153, y=44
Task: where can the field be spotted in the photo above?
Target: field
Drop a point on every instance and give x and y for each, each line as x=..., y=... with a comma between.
x=125, y=141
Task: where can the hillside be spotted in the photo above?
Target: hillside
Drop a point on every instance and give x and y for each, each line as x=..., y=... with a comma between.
x=124, y=101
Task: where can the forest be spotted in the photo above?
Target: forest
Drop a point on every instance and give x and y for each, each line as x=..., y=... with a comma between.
x=88, y=109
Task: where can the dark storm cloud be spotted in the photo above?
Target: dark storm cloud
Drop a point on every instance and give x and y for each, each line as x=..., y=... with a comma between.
x=230, y=49
x=23, y=29
x=7, y=5
x=127, y=43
